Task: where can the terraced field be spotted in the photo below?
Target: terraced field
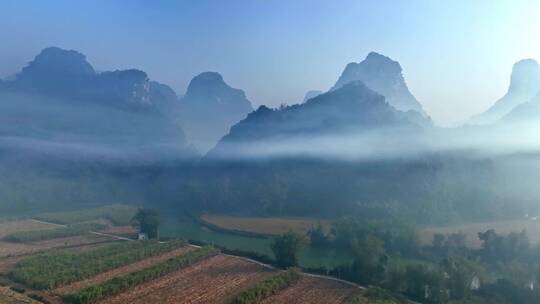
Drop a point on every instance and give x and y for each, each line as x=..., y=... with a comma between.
x=311, y=290
x=104, y=276
x=210, y=281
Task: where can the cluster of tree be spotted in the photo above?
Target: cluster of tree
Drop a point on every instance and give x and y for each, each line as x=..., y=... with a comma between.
x=147, y=221
x=118, y=284
x=388, y=254
x=55, y=268
x=266, y=288
x=430, y=190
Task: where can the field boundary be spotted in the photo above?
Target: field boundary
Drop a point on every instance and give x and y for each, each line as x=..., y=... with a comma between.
x=216, y=228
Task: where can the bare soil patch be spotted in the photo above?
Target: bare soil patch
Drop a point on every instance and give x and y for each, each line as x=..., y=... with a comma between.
x=311, y=290
x=8, y=249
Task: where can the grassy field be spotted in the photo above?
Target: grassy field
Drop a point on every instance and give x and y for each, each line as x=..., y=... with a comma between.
x=17, y=226
x=186, y=228
x=59, y=267
x=49, y=234
x=471, y=230
x=263, y=225
x=119, y=215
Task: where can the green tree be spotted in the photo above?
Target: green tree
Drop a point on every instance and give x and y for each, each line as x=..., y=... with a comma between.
x=286, y=247
x=147, y=221
x=317, y=236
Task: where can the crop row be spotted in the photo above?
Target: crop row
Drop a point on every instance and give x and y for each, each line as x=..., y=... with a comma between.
x=267, y=287
x=122, y=283
x=52, y=269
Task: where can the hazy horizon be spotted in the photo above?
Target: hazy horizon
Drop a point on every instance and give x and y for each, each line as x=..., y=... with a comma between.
x=456, y=60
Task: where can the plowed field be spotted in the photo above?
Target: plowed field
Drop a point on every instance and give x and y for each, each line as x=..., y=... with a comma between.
x=17, y=249
x=102, y=277
x=311, y=290
x=210, y=281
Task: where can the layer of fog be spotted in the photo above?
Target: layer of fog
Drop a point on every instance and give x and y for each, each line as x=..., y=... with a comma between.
x=75, y=129
x=391, y=143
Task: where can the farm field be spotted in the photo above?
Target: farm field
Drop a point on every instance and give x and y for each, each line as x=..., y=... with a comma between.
x=9, y=227
x=310, y=290
x=104, y=276
x=471, y=230
x=210, y=281
x=188, y=229
x=60, y=267
x=8, y=249
x=119, y=215
x=8, y=296
x=266, y=225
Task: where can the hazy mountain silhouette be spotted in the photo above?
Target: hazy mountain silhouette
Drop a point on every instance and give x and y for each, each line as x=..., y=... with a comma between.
x=311, y=94
x=382, y=75
x=209, y=108
x=58, y=101
x=524, y=86
x=352, y=109
x=526, y=113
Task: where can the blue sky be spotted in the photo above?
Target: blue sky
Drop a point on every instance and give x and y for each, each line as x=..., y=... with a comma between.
x=456, y=55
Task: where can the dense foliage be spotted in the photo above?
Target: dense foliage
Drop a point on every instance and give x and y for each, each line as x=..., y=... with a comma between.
x=118, y=214
x=121, y=283
x=147, y=221
x=55, y=268
x=49, y=234
x=505, y=270
x=267, y=287
x=286, y=247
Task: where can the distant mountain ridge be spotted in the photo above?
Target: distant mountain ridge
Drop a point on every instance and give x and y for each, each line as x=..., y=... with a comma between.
x=382, y=75
x=56, y=72
x=59, y=97
x=351, y=109
x=209, y=108
x=524, y=86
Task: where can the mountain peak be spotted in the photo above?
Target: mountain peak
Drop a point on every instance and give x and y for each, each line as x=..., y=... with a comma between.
x=382, y=75
x=375, y=59
x=525, y=76
x=210, y=108
x=524, y=86
x=208, y=77
x=54, y=60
